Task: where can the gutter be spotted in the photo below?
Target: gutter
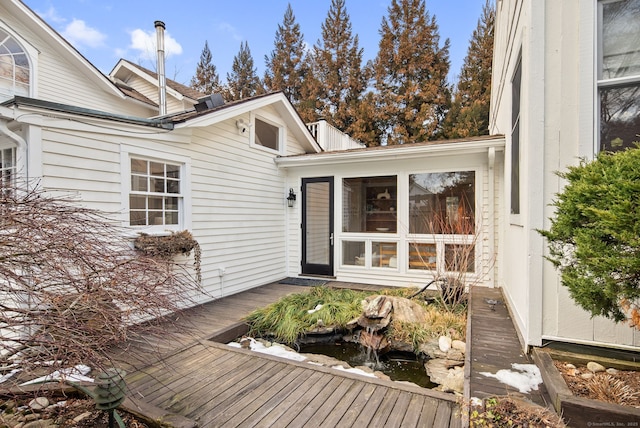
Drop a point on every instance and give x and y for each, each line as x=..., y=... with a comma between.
x=405, y=151
x=80, y=111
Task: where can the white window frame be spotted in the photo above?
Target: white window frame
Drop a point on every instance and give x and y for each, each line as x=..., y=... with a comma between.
x=32, y=57
x=184, y=197
x=270, y=121
x=600, y=82
x=13, y=167
x=441, y=240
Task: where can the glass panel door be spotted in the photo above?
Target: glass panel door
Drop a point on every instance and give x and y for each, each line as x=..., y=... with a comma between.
x=317, y=226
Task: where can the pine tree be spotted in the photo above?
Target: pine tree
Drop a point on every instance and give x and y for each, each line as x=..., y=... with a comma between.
x=286, y=67
x=206, y=79
x=469, y=114
x=410, y=75
x=243, y=81
x=338, y=80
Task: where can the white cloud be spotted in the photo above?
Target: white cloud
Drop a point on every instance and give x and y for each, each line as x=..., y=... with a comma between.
x=231, y=30
x=145, y=43
x=51, y=15
x=78, y=33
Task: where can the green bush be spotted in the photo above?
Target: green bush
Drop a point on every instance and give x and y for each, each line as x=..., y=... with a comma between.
x=594, y=239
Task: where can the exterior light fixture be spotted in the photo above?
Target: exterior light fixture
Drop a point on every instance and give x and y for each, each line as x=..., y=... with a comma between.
x=291, y=199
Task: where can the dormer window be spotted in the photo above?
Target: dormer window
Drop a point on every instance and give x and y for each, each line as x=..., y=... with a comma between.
x=14, y=68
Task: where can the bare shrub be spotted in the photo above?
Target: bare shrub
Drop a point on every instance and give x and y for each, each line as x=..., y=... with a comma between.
x=71, y=284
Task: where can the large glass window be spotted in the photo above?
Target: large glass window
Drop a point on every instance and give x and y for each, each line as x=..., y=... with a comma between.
x=442, y=203
x=14, y=68
x=370, y=204
x=155, y=197
x=619, y=73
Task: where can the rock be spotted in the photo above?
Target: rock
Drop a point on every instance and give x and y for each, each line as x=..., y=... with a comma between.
x=432, y=350
x=459, y=345
x=570, y=366
x=437, y=370
x=454, y=354
x=405, y=310
x=375, y=341
x=454, y=381
x=444, y=343
x=612, y=371
x=39, y=403
x=586, y=376
x=453, y=363
x=377, y=307
x=595, y=367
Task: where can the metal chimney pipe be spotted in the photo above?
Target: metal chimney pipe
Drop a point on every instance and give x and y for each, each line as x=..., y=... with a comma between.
x=162, y=80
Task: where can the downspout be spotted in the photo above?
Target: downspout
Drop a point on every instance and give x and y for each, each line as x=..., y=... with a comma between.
x=20, y=142
x=162, y=80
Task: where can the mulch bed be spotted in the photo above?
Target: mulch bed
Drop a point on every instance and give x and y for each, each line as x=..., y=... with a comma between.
x=619, y=387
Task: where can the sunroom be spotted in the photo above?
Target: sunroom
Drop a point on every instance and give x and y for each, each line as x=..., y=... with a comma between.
x=397, y=215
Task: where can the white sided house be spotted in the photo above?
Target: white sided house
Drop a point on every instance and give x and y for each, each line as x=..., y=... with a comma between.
x=566, y=85
x=268, y=196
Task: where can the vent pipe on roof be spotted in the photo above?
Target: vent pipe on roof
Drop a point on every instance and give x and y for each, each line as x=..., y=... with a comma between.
x=162, y=80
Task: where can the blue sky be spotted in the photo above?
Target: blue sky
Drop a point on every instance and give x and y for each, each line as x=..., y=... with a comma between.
x=107, y=30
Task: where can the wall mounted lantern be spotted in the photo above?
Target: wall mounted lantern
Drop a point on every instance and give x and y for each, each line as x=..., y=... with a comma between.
x=291, y=199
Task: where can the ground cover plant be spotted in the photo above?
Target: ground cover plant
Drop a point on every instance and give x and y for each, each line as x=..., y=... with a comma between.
x=293, y=316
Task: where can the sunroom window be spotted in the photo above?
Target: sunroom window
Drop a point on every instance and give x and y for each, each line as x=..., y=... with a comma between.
x=442, y=223
x=442, y=203
x=155, y=198
x=370, y=204
x=619, y=73
x=14, y=68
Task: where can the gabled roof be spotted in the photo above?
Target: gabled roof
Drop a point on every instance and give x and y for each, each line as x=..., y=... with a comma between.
x=32, y=21
x=177, y=90
x=277, y=100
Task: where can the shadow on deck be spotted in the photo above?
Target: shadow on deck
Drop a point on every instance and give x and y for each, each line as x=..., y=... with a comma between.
x=179, y=374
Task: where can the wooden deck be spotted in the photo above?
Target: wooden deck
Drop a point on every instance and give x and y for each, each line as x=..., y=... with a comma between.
x=494, y=345
x=180, y=372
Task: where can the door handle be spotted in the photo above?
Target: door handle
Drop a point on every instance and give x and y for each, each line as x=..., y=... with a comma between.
x=331, y=239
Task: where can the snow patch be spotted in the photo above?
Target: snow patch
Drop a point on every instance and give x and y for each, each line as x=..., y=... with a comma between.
x=73, y=374
x=526, y=378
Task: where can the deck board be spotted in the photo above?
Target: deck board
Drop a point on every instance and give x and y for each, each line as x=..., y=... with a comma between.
x=494, y=345
x=217, y=385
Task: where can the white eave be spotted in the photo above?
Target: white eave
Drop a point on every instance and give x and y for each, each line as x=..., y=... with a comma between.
x=277, y=100
x=60, y=45
x=399, y=152
x=124, y=64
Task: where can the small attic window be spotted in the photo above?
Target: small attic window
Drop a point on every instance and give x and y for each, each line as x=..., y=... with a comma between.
x=267, y=135
x=15, y=72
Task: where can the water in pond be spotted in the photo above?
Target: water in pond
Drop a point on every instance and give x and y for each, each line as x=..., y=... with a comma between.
x=399, y=366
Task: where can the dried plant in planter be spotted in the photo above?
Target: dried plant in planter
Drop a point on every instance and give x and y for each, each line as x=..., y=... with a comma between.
x=612, y=390
x=166, y=247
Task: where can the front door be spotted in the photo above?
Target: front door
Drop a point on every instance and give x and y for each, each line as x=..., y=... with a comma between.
x=317, y=226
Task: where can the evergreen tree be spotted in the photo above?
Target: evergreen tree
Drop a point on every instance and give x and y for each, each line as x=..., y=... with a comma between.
x=338, y=80
x=243, y=81
x=206, y=79
x=286, y=66
x=469, y=114
x=410, y=74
